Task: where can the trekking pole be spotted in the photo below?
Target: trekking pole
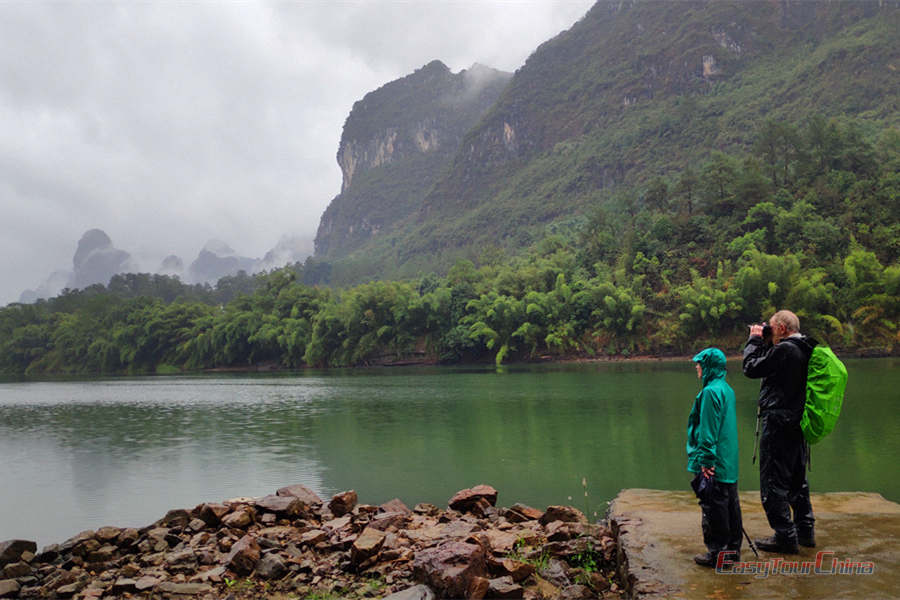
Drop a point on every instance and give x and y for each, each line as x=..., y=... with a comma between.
x=749, y=541
x=756, y=441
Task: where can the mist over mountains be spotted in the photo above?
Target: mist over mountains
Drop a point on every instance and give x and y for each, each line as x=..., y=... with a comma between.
x=96, y=260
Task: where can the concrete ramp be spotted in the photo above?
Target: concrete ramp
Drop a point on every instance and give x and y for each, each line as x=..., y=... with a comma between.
x=857, y=553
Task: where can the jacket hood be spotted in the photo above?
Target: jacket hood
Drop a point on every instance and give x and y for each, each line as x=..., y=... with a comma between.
x=713, y=362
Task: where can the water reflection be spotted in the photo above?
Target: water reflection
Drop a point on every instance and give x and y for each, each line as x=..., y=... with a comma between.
x=83, y=454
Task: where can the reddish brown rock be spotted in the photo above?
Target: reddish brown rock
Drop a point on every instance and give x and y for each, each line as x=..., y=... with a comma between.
x=366, y=545
x=211, y=513
x=239, y=519
x=244, y=556
x=389, y=520
x=478, y=588
x=108, y=534
x=12, y=550
x=465, y=500
x=567, y=514
x=505, y=587
x=284, y=505
x=8, y=588
x=271, y=567
x=306, y=495
x=519, y=513
x=342, y=503
x=177, y=517
x=127, y=537
x=450, y=567
x=16, y=570
x=395, y=505
x=517, y=570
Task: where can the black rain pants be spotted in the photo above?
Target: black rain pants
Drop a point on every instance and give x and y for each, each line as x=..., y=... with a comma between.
x=782, y=476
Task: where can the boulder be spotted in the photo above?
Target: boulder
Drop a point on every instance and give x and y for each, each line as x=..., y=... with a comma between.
x=239, y=519
x=517, y=570
x=388, y=520
x=177, y=517
x=8, y=588
x=504, y=587
x=478, y=588
x=244, y=556
x=416, y=592
x=395, y=505
x=108, y=534
x=73, y=541
x=519, y=513
x=466, y=500
x=127, y=537
x=11, y=550
x=306, y=495
x=342, y=503
x=16, y=570
x=567, y=514
x=284, y=505
x=271, y=567
x=424, y=508
x=366, y=545
x=313, y=537
x=450, y=567
x=211, y=513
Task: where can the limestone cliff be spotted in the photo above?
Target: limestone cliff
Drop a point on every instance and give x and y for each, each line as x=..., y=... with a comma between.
x=395, y=143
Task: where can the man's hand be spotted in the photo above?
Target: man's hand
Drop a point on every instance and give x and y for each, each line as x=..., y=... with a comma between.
x=708, y=472
x=756, y=330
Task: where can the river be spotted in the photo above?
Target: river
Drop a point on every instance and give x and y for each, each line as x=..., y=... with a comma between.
x=80, y=454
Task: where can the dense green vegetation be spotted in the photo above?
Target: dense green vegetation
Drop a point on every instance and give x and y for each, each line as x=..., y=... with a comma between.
x=808, y=221
x=621, y=98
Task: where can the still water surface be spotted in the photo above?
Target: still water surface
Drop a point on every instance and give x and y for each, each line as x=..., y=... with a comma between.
x=78, y=455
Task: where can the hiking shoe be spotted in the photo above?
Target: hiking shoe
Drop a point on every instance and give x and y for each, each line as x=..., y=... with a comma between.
x=707, y=559
x=779, y=546
x=806, y=539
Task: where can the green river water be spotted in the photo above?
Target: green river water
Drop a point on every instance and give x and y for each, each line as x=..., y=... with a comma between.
x=78, y=455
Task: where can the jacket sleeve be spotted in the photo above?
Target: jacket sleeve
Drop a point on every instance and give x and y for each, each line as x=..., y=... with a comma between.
x=759, y=360
x=710, y=423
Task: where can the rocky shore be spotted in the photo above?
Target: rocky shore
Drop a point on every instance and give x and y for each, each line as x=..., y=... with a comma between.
x=293, y=545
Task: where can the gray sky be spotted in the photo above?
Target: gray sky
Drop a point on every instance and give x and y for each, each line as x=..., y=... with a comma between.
x=166, y=124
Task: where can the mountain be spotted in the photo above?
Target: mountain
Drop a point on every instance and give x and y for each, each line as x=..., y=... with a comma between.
x=396, y=142
x=634, y=90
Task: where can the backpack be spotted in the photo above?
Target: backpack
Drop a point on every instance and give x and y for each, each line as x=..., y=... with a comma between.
x=826, y=381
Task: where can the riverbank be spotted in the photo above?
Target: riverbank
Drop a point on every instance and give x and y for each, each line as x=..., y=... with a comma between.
x=294, y=545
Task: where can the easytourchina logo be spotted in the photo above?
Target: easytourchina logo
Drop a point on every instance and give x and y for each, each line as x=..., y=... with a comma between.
x=825, y=563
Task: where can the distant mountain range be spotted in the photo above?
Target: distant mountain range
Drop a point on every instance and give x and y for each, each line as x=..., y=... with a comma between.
x=96, y=260
x=634, y=90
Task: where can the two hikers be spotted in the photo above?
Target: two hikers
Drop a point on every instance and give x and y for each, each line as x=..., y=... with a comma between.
x=781, y=362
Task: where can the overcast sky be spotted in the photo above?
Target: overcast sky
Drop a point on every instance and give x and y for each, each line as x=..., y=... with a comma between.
x=167, y=124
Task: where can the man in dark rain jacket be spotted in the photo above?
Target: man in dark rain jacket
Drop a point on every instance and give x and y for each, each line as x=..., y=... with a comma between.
x=712, y=448
x=782, y=365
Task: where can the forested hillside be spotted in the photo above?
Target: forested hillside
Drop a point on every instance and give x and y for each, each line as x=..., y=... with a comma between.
x=634, y=91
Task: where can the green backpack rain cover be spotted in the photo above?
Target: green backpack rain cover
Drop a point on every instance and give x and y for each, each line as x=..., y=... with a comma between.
x=826, y=380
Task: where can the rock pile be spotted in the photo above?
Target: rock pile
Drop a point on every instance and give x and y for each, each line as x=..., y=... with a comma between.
x=293, y=545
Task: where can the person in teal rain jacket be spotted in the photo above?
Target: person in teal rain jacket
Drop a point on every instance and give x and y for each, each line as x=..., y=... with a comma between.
x=712, y=449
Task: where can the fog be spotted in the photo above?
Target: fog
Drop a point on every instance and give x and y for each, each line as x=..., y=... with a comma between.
x=170, y=124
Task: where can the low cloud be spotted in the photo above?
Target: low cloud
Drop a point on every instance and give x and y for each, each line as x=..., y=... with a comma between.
x=169, y=124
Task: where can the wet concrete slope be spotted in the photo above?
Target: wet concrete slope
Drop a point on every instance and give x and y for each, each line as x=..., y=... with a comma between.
x=857, y=553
